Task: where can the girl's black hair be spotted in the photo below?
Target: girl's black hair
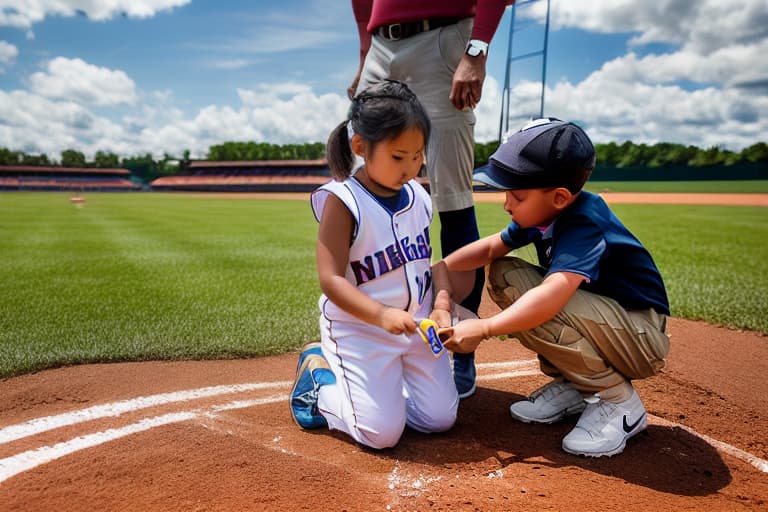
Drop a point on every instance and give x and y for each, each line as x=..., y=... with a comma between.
x=381, y=112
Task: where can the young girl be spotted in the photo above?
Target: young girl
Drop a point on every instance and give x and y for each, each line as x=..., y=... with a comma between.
x=372, y=374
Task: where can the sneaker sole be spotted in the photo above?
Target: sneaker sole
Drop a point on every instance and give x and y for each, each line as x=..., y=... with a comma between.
x=615, y=451
x=469, y=393
x=569, y=411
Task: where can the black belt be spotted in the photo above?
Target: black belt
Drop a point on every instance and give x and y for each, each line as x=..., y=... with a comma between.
x=397, y=31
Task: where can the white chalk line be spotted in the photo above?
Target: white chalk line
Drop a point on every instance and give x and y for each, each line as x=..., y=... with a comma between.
x=25, y=461
x=12, y=466
x=508, y=364
x=508, y=375
x=114, y=409
x=40, y=425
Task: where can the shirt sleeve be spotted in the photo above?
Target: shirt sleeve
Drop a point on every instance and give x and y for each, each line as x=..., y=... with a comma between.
x=362, y=11
x=578, y=248
x=488, y=14
x=514, y=236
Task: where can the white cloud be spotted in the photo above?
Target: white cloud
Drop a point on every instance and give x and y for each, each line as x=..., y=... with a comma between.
x=35, y=124
x=25, y=13
x=230, y=64
x=729, y=66
x=615, y=110
x=704, y=25
x=638, y=97
x=8, y=53
x=84, y=83
x=273, y=39
x=717, y=47
x=292, y=112
x=718, y=42
x=274, y=113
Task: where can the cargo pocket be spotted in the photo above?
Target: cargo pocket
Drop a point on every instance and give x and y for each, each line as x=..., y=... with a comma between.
x=567, y=350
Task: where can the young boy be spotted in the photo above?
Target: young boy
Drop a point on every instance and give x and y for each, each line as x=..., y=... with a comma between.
x=595, y=310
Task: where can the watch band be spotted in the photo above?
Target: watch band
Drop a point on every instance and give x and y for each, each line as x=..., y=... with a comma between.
x=475, y=47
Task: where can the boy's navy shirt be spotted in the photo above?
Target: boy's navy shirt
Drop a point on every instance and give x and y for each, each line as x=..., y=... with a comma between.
x=588, y=239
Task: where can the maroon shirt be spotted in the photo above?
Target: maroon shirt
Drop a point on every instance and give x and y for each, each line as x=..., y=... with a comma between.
x=371, y=14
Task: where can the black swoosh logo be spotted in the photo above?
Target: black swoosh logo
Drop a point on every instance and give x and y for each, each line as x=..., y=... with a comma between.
x=629, y=428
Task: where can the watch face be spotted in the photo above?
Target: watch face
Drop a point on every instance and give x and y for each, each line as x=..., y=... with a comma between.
x=475, y=48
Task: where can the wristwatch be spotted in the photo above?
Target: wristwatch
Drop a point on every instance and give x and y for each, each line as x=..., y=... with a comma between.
x=475, y=47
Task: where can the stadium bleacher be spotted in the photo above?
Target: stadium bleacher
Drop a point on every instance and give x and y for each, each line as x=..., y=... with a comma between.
x=248, y=176
x=27, y=177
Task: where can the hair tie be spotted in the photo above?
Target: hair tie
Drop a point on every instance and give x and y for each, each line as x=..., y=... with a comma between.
x=350, y=131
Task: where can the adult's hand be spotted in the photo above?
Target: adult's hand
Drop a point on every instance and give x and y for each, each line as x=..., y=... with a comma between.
x=467, y=85
x=353, y=86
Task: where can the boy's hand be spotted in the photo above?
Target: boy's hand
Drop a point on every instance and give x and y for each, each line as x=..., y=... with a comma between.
x=397, y=321
x=465, y=336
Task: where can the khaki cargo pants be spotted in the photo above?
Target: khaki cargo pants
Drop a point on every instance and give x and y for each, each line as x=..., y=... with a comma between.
x=593, y=342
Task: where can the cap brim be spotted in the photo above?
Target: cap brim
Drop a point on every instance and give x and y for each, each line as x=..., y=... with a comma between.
x=492, y=176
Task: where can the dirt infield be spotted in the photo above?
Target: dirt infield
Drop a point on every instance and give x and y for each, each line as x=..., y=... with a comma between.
x=218, y=436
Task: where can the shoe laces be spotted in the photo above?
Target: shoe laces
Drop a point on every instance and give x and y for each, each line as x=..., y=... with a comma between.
x=548, y=391
x=597, y=414
x=308, y=397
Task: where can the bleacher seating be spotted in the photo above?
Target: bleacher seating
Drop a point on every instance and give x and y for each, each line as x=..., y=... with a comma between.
x=248, y=176
x=27, y=177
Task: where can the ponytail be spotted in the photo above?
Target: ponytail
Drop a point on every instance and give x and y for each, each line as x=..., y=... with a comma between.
x=339, y=153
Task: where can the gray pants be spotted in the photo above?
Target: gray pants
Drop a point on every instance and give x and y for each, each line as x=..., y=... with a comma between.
x=426, y=63
x=593, y=342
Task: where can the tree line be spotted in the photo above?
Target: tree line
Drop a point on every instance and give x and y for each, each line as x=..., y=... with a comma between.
x=146, y=168
x=663, y=154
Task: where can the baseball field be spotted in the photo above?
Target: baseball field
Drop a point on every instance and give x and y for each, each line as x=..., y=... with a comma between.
x=148, y=342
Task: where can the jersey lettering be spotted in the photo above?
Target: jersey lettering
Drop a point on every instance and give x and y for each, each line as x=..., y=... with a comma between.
x=391, y=258
x=424, y=285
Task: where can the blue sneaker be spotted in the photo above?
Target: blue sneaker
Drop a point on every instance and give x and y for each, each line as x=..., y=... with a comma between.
x=313, y=373
x=464, y=374
x=313, y=347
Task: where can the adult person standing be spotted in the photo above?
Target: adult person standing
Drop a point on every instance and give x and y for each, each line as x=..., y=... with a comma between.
x=439, y=48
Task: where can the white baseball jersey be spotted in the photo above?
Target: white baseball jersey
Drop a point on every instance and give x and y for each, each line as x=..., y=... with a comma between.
x=389, y=259
x=384, y=381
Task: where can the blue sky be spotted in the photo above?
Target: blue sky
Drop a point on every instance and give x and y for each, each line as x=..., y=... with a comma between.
x=162, y=76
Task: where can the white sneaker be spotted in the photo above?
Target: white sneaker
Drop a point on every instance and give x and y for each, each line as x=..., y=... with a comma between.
x=548, y=404
x=604, y=427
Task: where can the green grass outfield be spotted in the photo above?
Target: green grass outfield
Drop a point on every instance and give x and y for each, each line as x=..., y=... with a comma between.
x=148, y=276
x=707, y=187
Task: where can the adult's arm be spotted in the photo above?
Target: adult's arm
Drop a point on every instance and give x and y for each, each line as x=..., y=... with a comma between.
x=467, y=85
x=362, y=11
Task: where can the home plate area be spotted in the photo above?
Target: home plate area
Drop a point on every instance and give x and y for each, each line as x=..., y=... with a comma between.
x=218, y=435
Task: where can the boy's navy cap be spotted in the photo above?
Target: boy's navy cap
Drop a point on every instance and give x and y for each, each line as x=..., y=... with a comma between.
x=544, y=153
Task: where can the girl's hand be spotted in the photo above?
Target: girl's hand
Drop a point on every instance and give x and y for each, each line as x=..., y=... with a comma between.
x=465, y=336
x=441, y=309
x=397, y=321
